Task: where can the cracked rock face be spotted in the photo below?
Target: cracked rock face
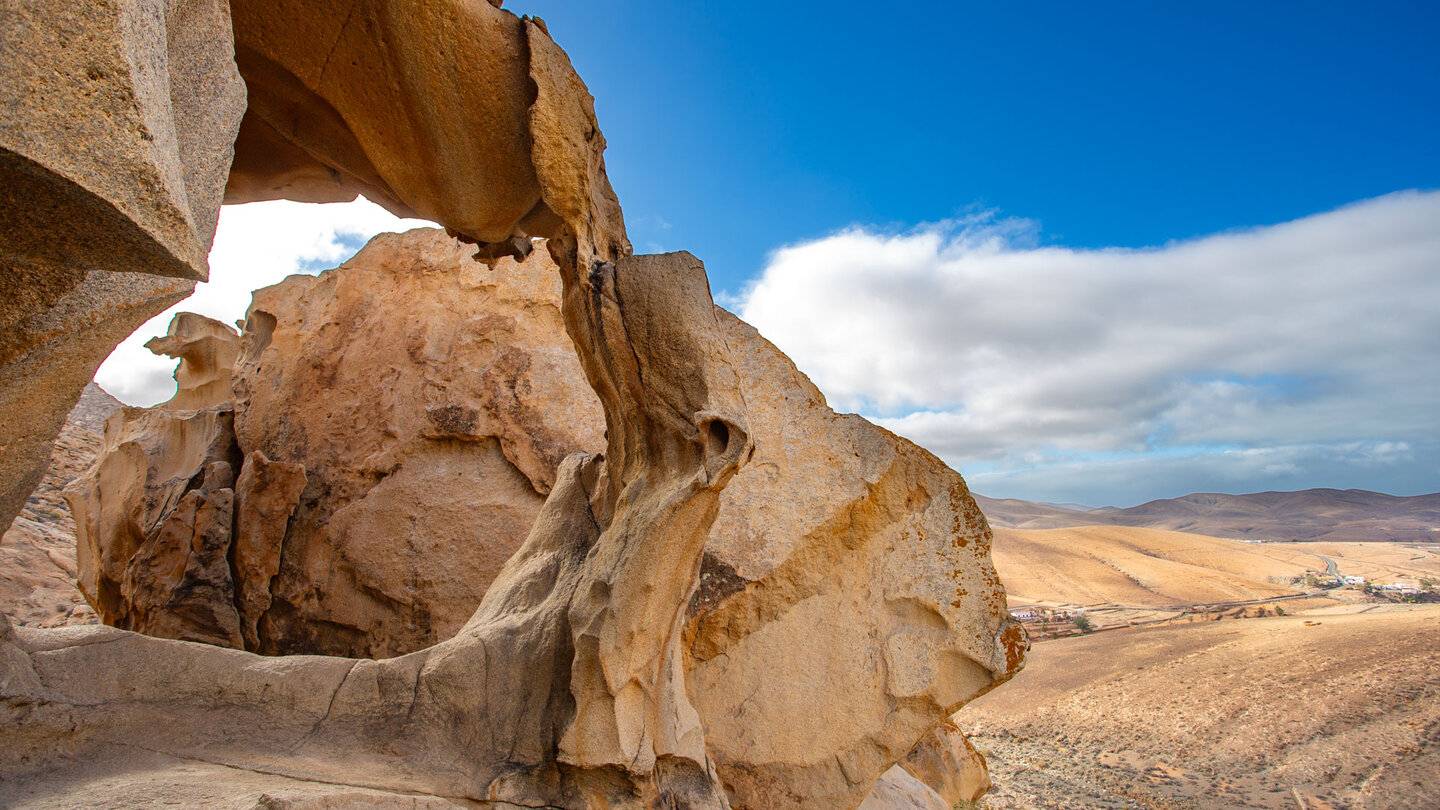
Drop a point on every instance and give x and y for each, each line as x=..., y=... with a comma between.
x=429, y=399
x=153, y=517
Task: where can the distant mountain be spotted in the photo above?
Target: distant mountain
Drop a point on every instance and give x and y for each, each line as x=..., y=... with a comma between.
x=1311, y=514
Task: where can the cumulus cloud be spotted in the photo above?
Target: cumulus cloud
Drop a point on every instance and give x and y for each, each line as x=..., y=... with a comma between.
x=256, y=245
x=1039, y=370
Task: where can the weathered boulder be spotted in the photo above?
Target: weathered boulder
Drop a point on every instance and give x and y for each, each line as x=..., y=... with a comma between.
x=153, y=524
x=898, y=790
x=115, y=139
x=947, y=763
x=46, y=361
x=844, y=561
x=429, y=399
x=116, y=126
x=153, y=517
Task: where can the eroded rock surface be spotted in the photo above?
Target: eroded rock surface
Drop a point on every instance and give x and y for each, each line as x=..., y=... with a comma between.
x=153, y=524
x=116, y=126
x=591, y=674
x=844, y=561
x=207, y=350
x=493, y=135
x=947, y=763
x=153, y=516
x=898, y=790
x=838, y=537
x=543, y=671
x=429, y=398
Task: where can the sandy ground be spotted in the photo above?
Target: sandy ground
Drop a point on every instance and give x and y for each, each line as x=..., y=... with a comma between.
x=1336, y=710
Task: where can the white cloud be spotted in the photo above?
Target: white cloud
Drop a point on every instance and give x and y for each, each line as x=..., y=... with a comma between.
x=964, y=336
x=256, y=245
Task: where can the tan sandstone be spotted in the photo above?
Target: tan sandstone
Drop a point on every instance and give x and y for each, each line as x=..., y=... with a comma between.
x=116, y=125
x=946, y=762
x=37, y=553
x=838, y=536
x=429, y=399
x=590, y=674
x=898, y=790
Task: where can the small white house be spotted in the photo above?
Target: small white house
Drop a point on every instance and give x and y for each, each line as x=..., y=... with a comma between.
x=1400, y=585
x=1354, y=580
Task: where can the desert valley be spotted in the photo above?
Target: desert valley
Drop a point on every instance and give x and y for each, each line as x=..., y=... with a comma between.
x=1218, y=673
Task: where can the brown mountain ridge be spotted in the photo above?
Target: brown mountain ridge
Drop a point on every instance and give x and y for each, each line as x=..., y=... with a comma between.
x=1351, y=515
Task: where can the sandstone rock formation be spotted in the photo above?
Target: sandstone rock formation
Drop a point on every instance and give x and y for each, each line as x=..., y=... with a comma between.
x=400, y=421
x=838, y=536
x=493, y=136
x=416, y=496
x=353, y=97
x=116, y=125
x=571, y=666
x=845, y=560
x=153, y=518
x=207, y=350
x=592, y=673
x=947, y=763
x=898, y=790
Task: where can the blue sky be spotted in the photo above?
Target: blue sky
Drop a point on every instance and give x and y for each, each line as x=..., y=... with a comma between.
x=1095, y=253
x=744, y=128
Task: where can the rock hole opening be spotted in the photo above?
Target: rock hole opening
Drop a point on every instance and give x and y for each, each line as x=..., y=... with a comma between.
x=717, y=437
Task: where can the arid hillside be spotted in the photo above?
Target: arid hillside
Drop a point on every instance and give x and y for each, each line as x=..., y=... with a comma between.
x=1333, y=515
x=1093, y=566
x=1314, y=712
x=1115, y=565
x=1383, y=561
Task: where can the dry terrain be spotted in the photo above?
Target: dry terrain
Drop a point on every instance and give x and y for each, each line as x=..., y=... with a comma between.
x=1338, y=707
x=1115, y=565
x=1309, y=711
x=1120, y=575
x=1383, y=561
